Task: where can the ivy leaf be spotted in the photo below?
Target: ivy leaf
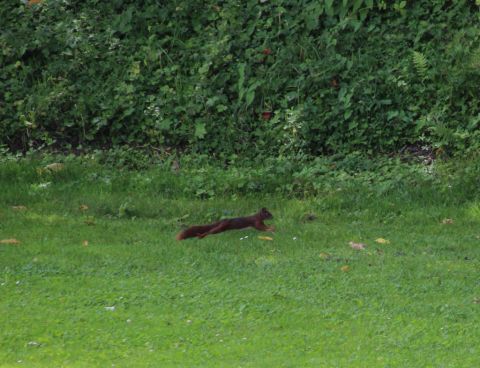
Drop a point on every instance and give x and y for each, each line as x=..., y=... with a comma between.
x=123, y=22
x=221, y=108
x=356, y=5
x=165, y=124
x=392, y=114
x=250, y=96
x=251, y=92
x=312, y=15
x=200, y=130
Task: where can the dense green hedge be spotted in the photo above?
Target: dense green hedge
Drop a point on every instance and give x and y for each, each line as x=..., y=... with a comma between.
x=263, y=77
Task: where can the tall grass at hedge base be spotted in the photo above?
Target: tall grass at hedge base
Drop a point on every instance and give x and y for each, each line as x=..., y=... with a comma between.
x=343, y=181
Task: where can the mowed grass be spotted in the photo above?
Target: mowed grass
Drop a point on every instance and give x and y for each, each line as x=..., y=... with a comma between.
x=134, y=297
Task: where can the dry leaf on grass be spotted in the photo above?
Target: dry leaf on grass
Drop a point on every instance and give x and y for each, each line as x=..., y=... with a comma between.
x=19, y=208
x=265, y=238
x=447, y=221
x=357, y=246
x=89, y=221
x=51, y=168
x=382, y=241
x=324, y=256
x=345, y=268
x=83, y=207
x=55, y=167
x=85, y=243
x=10, y=241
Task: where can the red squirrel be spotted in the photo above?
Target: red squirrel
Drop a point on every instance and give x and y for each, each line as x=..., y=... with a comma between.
x=255, y=221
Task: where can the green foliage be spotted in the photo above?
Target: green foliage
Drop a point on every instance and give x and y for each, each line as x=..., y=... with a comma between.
x=284, y=77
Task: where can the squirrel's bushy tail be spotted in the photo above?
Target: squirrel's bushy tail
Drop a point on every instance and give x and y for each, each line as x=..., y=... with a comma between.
x=180, y=235
x=194, y=231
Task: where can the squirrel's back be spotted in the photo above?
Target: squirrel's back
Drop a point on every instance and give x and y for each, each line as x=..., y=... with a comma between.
x=201, y=231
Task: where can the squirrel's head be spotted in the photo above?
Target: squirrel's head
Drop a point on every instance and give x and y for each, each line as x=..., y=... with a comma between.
x=265, y=215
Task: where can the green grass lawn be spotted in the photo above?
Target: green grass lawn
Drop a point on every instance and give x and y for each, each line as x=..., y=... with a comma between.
x=135, y=297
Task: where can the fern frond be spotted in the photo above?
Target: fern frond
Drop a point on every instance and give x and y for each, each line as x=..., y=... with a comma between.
x=421, y=64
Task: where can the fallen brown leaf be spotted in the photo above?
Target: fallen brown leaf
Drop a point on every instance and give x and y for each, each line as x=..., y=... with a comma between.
x=447, y=221
x=85, y=243
x=265, y=238
x=83, y=207
x=176, y=166
x=10, y=241
x=324, y=256
x=55, y=167
x=357, y=246
x=89, y=221
x=382, y=241
x=19, y=208
x=345, y=268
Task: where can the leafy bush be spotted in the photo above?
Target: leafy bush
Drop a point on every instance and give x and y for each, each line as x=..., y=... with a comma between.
x=283, y=77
